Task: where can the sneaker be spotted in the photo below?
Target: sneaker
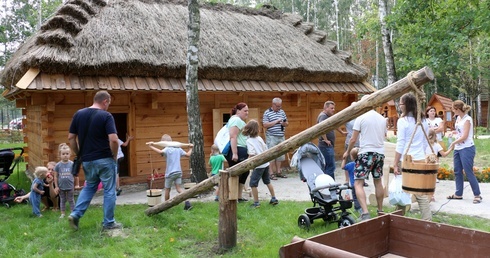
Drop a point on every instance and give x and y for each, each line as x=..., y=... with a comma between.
x=73, y=222
x=113, y=225
x=187, y=206
x=216, y=199
x=255, y=205
x=365, y=216
x=274, y=201
x=118, y=191
x=242, y=200
x=379, y=212
x=62, y=216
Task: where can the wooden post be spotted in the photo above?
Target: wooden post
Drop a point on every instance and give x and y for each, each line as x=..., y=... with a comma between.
x=227, y=227
x=374, y=100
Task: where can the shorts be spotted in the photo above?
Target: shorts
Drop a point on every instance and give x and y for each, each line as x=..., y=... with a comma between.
x=369, y=162
x=260, y=173
x=175, y=177
x=271, y=141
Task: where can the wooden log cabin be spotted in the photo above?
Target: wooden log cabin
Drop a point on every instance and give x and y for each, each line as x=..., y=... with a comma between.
x=444, y=110
x=137, y=51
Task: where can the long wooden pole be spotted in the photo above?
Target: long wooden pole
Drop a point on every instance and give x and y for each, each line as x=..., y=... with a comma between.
x=376, y=99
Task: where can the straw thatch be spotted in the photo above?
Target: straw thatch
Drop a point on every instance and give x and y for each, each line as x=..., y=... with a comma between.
x=149, y=38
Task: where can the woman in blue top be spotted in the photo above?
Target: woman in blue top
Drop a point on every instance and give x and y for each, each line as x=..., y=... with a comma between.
x=238, y=143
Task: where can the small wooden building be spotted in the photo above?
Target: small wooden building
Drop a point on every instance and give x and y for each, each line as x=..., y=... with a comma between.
x=443, y=107
x=388, y=110
x=137, y=51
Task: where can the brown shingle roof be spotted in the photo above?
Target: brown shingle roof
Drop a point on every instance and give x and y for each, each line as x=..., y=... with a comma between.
x=47, y=82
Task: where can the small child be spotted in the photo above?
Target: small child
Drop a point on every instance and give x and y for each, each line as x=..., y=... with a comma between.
x=173, y=171
x=37, y=189
x=50, y=196
x=349, y=169
x=65, y=179
x=256, y=146
x=120, y=158
x=438, y=150
x=216, y=161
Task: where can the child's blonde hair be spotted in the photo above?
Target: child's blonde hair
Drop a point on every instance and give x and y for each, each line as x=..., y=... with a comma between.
x=353, y=153
x=214, y=149
x=51, y=163
x=40, y=171
x=431, y=135
x=166, y=137
x=63, y=147
x=251, y=129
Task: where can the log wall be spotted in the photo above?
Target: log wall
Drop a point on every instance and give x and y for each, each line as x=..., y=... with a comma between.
x=150, y=115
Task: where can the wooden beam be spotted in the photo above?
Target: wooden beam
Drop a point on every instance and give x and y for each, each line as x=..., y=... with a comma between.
x=377, y=98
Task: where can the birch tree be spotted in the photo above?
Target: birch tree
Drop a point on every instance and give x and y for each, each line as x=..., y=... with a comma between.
x=386, y=39
x=192, y=95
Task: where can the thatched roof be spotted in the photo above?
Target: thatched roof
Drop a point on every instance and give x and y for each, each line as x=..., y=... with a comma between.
x=148, y=38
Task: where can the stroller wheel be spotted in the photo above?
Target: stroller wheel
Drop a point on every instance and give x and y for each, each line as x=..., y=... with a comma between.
x=346, y=221
x=304, y=221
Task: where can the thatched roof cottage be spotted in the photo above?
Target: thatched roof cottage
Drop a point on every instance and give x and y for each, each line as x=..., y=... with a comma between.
x=136, y=50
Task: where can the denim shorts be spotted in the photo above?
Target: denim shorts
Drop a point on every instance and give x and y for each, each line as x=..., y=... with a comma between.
x=175, y=177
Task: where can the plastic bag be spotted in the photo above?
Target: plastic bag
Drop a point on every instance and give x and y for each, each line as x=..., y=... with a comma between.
x=396, y=195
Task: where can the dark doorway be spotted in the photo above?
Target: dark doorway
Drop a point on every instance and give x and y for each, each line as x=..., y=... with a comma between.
x=122, y=130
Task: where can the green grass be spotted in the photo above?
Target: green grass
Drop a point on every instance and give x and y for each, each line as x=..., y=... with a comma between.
x=173, y=233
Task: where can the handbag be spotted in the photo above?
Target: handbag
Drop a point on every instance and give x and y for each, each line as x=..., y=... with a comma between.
x=77, y=162
x=222, y=140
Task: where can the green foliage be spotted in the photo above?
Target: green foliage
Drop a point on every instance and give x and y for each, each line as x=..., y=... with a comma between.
x=19, y=22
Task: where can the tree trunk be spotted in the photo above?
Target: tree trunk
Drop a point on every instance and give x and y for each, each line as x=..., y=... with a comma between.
x=374, y=100
x=197, y=161
x=387, y=48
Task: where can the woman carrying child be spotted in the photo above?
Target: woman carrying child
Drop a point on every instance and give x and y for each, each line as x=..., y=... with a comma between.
x=255, y=146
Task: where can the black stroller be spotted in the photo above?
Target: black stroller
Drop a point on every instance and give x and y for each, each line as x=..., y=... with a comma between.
x=324, y=191
x=7, y=164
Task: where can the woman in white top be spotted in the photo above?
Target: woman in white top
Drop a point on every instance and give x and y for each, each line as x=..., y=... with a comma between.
x=464, y=152
x=435, y=123
x=416, y=148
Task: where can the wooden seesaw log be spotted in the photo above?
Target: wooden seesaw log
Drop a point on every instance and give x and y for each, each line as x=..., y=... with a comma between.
x=376, y=99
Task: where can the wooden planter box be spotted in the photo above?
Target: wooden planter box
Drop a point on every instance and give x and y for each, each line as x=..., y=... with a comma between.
x=392, y=235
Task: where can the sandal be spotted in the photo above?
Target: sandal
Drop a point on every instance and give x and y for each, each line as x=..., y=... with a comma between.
x=281, y=175
x=273, y=177
x=477, y=200
x=455, y=197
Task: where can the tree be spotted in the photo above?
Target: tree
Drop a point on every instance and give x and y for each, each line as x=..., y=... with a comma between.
x=386, y=38
x=193, y=112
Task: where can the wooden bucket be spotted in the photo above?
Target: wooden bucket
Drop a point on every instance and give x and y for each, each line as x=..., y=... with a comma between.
x=154, y=196
x=419, y=177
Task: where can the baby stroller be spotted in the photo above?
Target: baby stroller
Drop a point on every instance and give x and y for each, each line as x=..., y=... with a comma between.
x=324, y=191
x=7, y=164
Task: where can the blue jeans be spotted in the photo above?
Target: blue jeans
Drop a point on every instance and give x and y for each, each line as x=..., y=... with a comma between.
x=96, y=171
x=329, y=155
x=463, y=160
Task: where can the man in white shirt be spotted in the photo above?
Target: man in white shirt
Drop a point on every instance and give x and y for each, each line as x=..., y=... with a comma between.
x=371, y=127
